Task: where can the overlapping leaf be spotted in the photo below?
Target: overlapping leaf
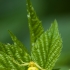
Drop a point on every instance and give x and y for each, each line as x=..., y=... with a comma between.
x=35, y=25
x=15, y=51
x=55, y=45
x=40, y=50
x=47, y=48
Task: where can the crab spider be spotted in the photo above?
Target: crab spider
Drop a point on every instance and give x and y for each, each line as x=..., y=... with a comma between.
x=31, y=65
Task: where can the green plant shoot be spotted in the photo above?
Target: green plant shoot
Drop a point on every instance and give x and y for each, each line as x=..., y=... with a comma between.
x=45, y=47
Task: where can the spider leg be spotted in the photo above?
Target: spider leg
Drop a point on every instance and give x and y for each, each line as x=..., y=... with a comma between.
x=39, y=66
x=23, y=63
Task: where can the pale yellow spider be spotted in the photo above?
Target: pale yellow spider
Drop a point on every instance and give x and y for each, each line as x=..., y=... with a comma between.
x=32, y=65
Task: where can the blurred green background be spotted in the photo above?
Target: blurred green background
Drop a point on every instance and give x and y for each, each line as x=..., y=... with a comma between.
x=13, y=16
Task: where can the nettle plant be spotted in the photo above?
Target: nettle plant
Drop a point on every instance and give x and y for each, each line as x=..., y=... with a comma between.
x=45, y=47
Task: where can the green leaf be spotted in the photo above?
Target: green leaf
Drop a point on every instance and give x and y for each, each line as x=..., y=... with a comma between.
x=35, y=25
x=39, y=51
x=47, y=48
x=7, y=63
x=17, y=42
x=54, y=45
x=20, y=47
x=15, y=51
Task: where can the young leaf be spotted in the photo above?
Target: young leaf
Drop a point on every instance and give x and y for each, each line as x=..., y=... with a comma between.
x=47, y=47
x=6, y=63
x=17, y=42
x=20, y=47
x=15, y=51
x=54, y=46
x=39, y=51
x=35, y=25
